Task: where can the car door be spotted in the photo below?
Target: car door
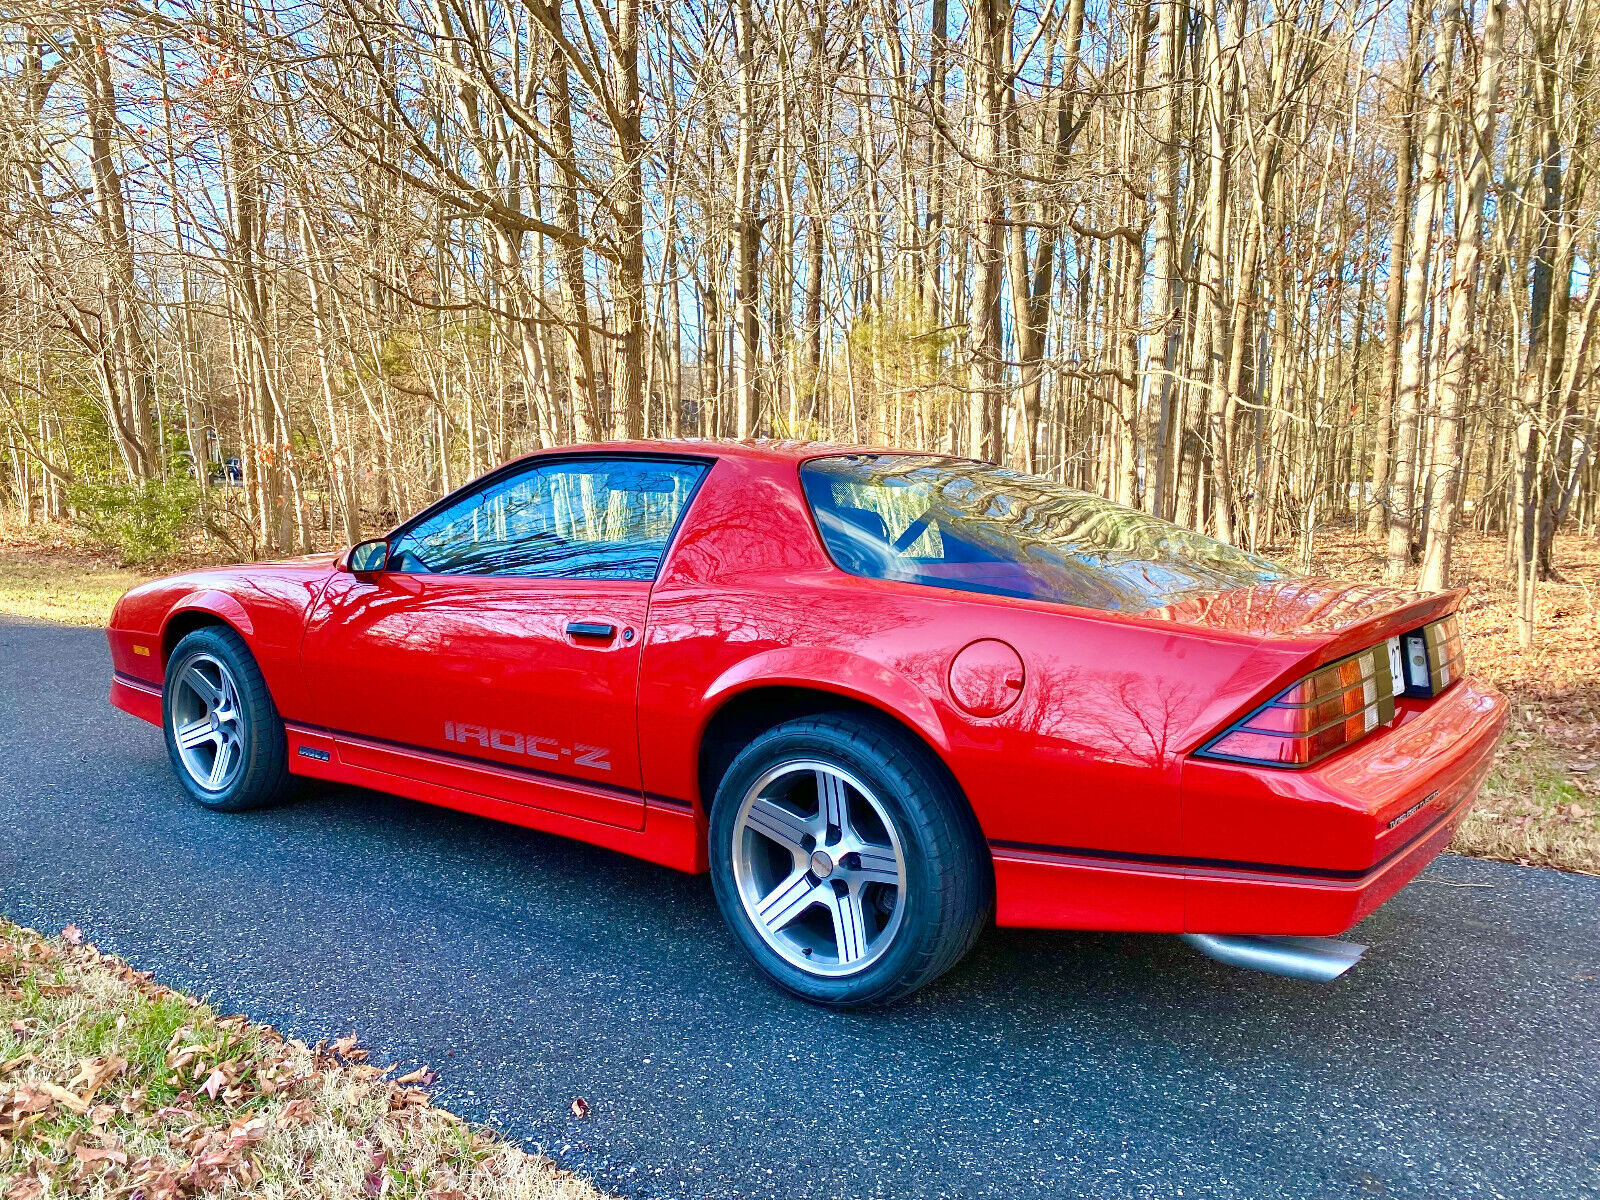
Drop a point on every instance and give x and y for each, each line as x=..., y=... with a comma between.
x=498, y=652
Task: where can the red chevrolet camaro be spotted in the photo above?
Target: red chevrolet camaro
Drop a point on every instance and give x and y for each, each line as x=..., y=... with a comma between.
x=880, y=696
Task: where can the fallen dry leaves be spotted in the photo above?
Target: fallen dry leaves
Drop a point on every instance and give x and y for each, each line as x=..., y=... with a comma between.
x=113, y=1087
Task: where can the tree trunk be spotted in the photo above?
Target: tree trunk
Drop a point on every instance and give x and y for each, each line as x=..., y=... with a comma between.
x=985, y=369
x=1166, y=297
x=629, y=294
x=747, y=232
x=582, y=393
x=1454, y=373
x=1431, y=185
x=1404, y=154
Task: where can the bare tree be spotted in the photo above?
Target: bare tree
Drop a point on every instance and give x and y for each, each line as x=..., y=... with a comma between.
x=1228, y=261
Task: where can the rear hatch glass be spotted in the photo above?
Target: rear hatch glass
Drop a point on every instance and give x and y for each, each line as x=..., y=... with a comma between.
x=953, y=523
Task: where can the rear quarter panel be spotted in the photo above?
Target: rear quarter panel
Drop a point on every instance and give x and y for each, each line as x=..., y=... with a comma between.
x=1090, y=755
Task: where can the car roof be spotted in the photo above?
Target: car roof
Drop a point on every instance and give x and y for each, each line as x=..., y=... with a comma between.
x=764, y=449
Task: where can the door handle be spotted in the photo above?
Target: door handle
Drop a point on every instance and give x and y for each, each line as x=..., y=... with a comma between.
x=591, y=629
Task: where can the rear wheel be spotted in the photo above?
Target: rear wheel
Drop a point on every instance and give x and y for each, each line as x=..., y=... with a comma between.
x=844, y=860
x=224, y=736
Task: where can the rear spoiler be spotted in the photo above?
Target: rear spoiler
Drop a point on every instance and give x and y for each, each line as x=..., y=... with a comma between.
x=1330, y=618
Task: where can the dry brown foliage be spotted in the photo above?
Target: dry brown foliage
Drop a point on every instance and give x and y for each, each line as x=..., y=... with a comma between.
x=113, y=1087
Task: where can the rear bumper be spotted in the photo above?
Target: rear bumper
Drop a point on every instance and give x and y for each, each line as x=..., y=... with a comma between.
x=1310, y=904
x=1306, y=852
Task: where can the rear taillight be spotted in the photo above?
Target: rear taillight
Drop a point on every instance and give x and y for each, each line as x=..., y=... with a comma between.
x=1332, y=707
x=1435, y=657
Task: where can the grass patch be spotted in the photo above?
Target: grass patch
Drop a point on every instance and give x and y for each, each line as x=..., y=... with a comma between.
x=114, y=1086
x=1537, y=807
x=72, y=593
x=48, y=573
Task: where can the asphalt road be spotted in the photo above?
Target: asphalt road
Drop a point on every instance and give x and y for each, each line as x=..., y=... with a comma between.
x=1461, y=1058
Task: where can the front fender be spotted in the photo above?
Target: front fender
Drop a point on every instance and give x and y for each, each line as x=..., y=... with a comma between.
x=213, y=603
x=147, y=621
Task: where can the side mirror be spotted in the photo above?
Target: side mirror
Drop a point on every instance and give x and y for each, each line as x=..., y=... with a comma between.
x=369, y=558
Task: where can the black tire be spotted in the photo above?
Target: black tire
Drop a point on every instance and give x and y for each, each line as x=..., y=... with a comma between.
x=949, y=883
x=261, y=777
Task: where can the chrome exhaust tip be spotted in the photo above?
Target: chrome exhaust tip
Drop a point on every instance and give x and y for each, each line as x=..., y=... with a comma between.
x=1318, y=959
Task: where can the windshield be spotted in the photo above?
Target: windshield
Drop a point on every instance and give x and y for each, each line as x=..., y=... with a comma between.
x=952, y=523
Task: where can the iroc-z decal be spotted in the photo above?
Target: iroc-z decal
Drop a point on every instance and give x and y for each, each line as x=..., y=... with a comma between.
x=530, y=745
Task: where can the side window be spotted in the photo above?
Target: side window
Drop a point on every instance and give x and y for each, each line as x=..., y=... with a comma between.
x=580, y=519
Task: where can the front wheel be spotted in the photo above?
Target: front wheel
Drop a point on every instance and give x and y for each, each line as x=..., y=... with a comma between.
x=844, y=860
x=224, y=736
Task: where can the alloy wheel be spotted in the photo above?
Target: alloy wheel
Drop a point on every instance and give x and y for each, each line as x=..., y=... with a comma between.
x=819, y=866
x=208, y=723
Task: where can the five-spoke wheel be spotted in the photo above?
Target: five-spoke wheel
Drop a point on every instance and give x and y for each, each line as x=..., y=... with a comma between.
x=208, y=725
x=820, y=868
x=844, y=859
x=223, y=732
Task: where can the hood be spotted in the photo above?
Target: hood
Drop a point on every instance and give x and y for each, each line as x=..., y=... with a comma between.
x=323, y=558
